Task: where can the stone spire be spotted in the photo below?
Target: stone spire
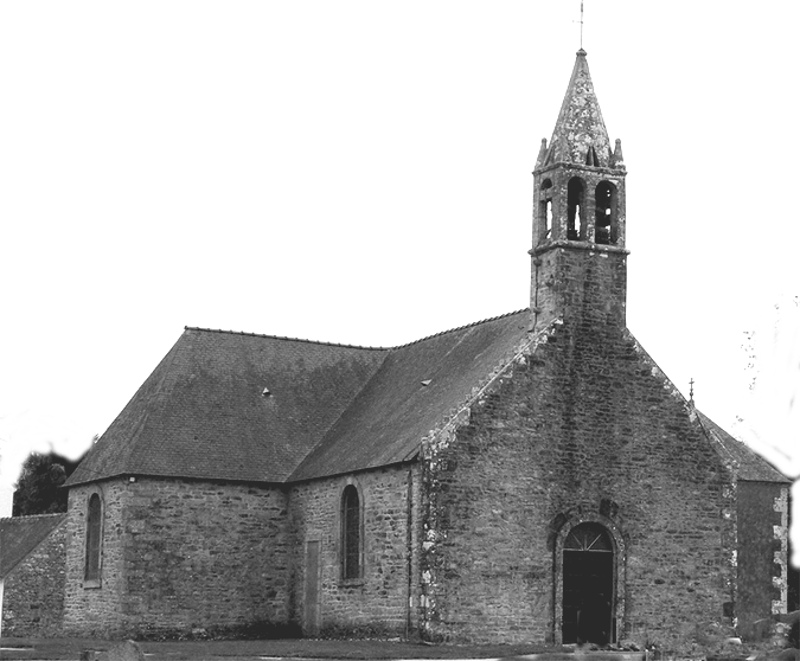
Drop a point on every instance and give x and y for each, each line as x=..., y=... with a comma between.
x=580, y=135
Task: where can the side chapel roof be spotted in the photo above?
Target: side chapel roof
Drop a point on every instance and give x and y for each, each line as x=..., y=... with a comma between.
x=204, y=413
x=19, y=536
x=752, y=467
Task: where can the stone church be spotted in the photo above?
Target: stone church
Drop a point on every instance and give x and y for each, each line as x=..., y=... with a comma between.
x=529, y=478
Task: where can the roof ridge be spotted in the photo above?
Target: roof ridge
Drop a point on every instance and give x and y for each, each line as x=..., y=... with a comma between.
x=355, y=346
x=285, y=337
x=459, y=328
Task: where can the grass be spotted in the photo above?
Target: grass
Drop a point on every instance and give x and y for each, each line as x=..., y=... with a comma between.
x=69, y=649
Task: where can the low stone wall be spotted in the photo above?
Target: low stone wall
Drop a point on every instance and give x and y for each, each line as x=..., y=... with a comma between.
x=33, y=598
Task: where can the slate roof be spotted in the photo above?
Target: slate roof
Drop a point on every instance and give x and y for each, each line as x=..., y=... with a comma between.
x=331, y=408
x=752, y=467
x=20, y=535
x=202, y=413
x=417, y=386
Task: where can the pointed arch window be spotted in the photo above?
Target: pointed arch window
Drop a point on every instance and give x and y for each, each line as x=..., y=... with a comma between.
x=576, y=225
x=605, y=224
x=351, y=533
x=94, y=532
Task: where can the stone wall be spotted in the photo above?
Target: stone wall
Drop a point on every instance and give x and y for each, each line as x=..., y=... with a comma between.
x=584, y=429
x=582, y=284
x=180, y=556
x=94, y=609
x=33, y=597
x=762, y=521
x=378, y=601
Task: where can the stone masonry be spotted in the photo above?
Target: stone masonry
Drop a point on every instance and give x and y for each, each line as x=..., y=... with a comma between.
x=762, y=557
x=585, y=428
x=33, y=599
x=180, y=556
x=378, y=601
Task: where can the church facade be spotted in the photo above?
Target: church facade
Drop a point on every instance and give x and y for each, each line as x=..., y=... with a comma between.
x=529, y=478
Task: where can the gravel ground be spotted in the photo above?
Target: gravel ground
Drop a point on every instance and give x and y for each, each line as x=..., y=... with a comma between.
x=250, y=650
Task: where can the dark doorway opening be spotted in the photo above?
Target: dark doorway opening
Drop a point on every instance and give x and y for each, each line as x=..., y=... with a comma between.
x=588, y=569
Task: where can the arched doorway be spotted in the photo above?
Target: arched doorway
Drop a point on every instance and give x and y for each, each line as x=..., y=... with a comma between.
x=588, y=582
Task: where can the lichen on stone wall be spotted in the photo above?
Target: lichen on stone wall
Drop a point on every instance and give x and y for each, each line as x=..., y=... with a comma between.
x=538, y=440
x=437, y=464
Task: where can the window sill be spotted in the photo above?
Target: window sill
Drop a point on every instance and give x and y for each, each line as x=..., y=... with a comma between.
x=351, y=582
x=92, y=584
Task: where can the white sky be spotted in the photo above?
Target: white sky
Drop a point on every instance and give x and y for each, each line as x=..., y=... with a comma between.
x=359, y=172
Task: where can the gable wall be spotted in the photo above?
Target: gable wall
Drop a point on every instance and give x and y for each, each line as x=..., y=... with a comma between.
x=181, y=556
x=585, y=429
x=33, y=593
x=378, y=602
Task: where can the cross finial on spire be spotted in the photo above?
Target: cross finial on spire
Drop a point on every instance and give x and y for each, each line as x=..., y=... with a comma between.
x=691, y=391
x=581, y=51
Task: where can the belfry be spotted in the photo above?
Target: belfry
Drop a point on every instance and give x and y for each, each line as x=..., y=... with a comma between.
x=578, y=210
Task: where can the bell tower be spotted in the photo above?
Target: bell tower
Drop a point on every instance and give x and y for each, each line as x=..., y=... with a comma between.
x=578, y=270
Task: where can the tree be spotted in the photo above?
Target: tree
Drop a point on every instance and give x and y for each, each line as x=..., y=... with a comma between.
x=37, y=490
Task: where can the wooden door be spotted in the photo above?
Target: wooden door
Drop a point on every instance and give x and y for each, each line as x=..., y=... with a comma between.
x=588, y=568
x=311, y=613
